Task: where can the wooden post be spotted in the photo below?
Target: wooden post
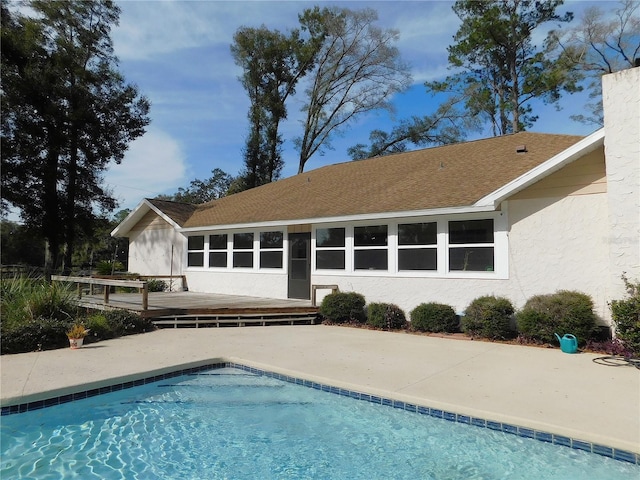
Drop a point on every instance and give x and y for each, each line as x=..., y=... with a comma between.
x=79, y=290
x=106, y=294
x=145, y=296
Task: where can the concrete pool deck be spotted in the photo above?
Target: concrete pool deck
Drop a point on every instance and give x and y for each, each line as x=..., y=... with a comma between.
x=542, y=389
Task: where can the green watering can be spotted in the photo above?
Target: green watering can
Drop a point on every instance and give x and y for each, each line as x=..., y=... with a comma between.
x=568, y=343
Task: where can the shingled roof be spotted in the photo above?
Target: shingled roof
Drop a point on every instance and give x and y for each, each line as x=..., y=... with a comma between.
x=442, y=177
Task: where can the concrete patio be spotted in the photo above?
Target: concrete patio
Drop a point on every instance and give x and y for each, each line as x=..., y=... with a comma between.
x=537, y=388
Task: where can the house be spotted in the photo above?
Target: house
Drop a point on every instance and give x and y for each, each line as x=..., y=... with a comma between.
x=514, y=216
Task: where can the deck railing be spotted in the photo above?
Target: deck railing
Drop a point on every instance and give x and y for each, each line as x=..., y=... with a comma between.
x=141, y=285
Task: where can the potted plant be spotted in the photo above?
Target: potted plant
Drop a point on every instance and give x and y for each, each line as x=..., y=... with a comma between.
x=76, y=335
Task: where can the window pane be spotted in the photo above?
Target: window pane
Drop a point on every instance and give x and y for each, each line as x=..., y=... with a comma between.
x=330, y=259
x=418, y=259
x=375, y=235
x=242, y=259
x=196, y=242
x=330, y=237
x=217, y=259
x=271, y=259
x=218, y=242
x=417, y=234
x=473, y=259
x=243, y=241
x=271, y=239
x=471, y=231
x=299, y=248
x=370, y=259
x=195, y=259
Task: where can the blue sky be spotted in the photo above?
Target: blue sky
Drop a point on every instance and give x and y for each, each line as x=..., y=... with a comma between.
x=177, y=52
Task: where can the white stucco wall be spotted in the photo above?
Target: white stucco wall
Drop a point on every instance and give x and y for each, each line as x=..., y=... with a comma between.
x=150, y=251
x=255, y=284
x=621, y=100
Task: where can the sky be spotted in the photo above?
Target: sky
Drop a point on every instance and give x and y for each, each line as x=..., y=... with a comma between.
x=178, y=54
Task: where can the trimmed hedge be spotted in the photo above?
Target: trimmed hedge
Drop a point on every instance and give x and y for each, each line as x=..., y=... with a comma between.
x=489, y=317
x=434, y=317
x=155, y=285
x=626, y=317
x=563, y=312
x=386, y=316
x=343, y=307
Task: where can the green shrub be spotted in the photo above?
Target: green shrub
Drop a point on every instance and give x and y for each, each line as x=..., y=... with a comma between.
x=123, y=322
x=99, y=327
x=343, y=307
x=626, y=317
x=434, y=317
x=386, y=316
x=562, y=312
x=35, y=335
x=489, y=317
x=107, y=267
x=155, y=285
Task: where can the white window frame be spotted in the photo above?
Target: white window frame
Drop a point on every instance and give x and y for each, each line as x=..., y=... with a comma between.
x=203, y=251
x=277, y=249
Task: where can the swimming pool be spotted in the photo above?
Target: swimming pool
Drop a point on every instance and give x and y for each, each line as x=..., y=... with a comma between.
x=230, y=423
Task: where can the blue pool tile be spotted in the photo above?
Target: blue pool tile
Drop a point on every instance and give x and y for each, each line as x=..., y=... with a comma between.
x=398, y=404
x=625, y=456
x=366, y=397
x=355, y=395
x=51, y=402
x=494, y=425
x=463, y=419
x=580, y=445
x=435, y=413
x=525, y=432
x=424, y=410
x=387, y=402
x=509, y=428
x=479, y=422
x=410, y=407
x=544, y=437
x=602, y=450
x=449, y=416
x=562, y=440
x=375, y=399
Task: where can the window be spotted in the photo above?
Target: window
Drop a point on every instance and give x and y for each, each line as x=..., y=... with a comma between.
x=471, y=246
x=368, y=254
x=330, y=248
x=195, y=251
x=218, y=250
x=243, y=250
x=417, y=246
x=271, y=249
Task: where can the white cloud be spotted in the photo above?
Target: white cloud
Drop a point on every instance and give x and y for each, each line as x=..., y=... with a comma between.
x=154, y=164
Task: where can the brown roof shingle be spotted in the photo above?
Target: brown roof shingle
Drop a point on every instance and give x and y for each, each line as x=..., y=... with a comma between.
x=176, y=211
x=448, y=176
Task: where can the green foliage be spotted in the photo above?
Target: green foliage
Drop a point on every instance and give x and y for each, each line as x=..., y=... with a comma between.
x=562, y=312
x=343, y=307
x=626, y=317
x=107, y=267
x=489, y=317
x=35, y=335
x=155, y=285
x=127, y=323
x=434, y=317
x=200, y=191
x=99, y=327
x=385, y=316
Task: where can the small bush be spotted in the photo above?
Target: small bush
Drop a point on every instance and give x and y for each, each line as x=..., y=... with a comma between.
x=562, y=312
x=99, y=327
x=36, y=335
x=489, y=317
x=343, y=307
x=434, y=317
x=155, y=285
x=386, y=316
x=127, y=323
x=107, y=267
x=626, y=317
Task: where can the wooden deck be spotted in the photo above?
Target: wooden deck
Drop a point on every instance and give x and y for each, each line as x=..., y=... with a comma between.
x=178, y=309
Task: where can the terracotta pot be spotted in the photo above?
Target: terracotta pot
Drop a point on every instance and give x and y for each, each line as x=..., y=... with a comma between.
x=76, y=343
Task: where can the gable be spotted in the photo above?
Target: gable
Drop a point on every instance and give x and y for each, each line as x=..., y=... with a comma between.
x=585, y=176
x=150, y=221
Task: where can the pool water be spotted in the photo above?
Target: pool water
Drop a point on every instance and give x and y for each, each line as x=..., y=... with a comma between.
x=230, y=424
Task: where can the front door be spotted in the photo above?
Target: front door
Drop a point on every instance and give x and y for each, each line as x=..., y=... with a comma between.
x=300, y=265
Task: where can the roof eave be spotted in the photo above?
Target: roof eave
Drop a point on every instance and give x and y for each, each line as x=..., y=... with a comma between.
x=555, y=163
x=346, y=218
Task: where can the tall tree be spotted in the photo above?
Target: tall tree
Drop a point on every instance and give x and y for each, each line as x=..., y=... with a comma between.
x=272, y=64
x=601, y=43
x=200, y=191
x=357, y=70
x=499, y=67
x=68, y=113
